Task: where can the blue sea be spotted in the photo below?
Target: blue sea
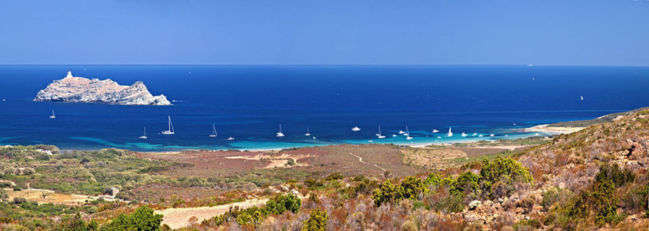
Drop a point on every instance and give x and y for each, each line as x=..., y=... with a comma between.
x=249, y=102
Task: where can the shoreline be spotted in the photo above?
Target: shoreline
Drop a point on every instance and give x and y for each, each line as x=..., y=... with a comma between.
x=418, y=142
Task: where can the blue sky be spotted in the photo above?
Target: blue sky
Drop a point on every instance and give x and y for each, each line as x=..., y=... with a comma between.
x=543, y=32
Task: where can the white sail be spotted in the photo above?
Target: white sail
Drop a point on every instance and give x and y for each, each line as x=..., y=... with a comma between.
x=170, y=130
x=214, y=134
x=379, y=135
x=450, y=133
x=52, y=116
x=280, y=133
x=143, y=137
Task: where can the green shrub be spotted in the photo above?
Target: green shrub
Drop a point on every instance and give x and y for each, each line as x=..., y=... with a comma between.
x=142, y=219
x=334, y=176
x=411, y=188
x=387, y=191
x=317, y=221
x=613, y=173
x=433, y=180
x=505, y=170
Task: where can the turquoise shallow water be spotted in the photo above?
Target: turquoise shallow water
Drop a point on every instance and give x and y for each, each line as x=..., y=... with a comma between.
x=249, y=103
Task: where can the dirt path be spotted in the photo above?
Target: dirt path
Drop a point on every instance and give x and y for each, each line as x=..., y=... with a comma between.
x=360, y=159
x=180, y=217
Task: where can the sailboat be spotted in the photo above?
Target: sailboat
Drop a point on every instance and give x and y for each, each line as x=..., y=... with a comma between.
x=143, y=136
x=169, y=131
x=214, y=134
x=401, y=132
x=581, y=98
x=230, y=138
x=280, y=134
x=463, y=134
x=407, y=134
x=356, y=128
x=435, y=131
x=307, y=132
x=450, y=133
x=378, y=135
x=53, y=116
x=491, y=135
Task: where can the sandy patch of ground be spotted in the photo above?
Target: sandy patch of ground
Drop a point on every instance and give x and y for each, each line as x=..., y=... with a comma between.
x=180, y=217
x=275, y=161
x=553, y=130
x=48, y=196
x=431, y=158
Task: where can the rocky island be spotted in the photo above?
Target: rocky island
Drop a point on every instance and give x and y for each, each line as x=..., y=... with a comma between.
x=82, y=90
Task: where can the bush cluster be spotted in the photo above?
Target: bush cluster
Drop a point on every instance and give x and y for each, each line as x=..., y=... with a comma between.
x=255, y=215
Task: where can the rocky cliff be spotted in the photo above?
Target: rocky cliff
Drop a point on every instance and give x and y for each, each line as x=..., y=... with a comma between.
x=82, y=90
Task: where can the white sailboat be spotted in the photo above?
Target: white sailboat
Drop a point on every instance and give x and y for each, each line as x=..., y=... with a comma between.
x=450, y=133
x=378, y=135
x=581, y=98
x=143, y=136
x=230, y=138
x=52, y=116
x=401, y=132
x=280, y=134
x=307, y=132
x=214, y=134
x=464, y=134
x=170, y=130
x=435, y=131
x=356, y=128
x=475, y=134
x=407, y=134
x=492, y=135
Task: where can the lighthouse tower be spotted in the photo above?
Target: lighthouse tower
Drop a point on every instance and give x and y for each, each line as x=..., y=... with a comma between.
x=69, y=74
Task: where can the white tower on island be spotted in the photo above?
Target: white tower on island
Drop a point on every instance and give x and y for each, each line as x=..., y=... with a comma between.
x=69, y=74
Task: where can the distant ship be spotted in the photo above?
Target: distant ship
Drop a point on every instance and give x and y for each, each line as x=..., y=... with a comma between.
x=450, y=133
x=214, y=134
x=230, y=138
x=52, y=116
x=280, y=134
x=307, y=132
x=355, y=129
x=143, y=136
x=435, y=131
x=170, y=130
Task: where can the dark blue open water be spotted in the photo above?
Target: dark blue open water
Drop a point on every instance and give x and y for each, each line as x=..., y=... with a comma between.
x=248, y=103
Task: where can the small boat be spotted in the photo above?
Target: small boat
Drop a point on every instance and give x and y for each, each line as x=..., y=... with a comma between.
x=280, y=134
x=450, y=133
x=378, y=135
x=439, y=137
x=492, y=135
x=370, y=141
x=435, y=131
x=52, y=116
x=400, y=132
x=143, y=136
x=581, y=98
x=464, y=134
x=230, y=138
x=394, y=135
x=314, y=137
x=214, y=134
x=480, y=135
x=407, y=134
x=170, y=130
x=475, y=134
x=356, y=128
x=307, y=132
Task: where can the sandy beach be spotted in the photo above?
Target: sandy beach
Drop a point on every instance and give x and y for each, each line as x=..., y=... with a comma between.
x=553, y=130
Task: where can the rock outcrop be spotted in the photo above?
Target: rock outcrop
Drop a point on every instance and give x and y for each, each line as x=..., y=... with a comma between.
x=82, y=90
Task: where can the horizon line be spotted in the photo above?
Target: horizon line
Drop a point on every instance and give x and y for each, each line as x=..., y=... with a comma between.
x=332, y=64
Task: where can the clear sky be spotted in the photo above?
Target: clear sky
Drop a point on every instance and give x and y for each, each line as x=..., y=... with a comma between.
x=543, y=32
